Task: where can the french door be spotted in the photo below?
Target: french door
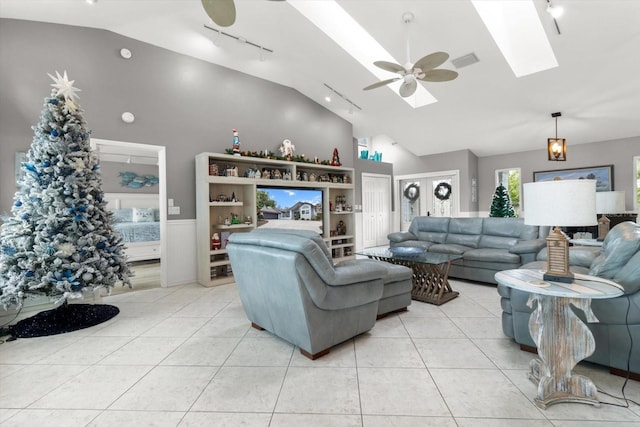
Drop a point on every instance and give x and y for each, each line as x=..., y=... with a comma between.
x=430, y=194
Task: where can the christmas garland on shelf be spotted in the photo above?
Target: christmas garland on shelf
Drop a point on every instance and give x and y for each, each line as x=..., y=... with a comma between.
x=442, y=191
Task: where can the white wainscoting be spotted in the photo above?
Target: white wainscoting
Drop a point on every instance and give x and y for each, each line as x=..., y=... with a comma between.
x=180, y=258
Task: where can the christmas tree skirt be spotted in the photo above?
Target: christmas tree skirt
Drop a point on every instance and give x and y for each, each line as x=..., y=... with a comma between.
x=66, y=318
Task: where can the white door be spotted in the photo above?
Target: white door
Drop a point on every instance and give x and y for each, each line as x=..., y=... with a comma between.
x=376, y=209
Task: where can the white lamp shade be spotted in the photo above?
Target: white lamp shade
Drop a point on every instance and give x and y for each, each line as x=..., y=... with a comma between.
x=608, y=202
x=564, y=203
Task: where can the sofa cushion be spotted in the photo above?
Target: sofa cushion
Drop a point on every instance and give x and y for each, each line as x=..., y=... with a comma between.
x=430, y=229
x=468, y=240
x=491, y=255
x=445, y=248
x=505, y=227
x=497, y=242
x=622, y=242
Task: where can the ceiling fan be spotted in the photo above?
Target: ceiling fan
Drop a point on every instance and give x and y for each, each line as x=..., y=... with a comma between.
x=424, y=68
x=222, y=12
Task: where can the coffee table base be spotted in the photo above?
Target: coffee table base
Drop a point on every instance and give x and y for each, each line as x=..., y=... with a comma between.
x=430, y=281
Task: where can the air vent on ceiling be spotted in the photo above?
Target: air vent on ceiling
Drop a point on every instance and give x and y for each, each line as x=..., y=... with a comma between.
x=465, y=60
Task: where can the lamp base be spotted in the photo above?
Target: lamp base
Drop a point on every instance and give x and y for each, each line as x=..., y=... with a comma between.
x=555, y=278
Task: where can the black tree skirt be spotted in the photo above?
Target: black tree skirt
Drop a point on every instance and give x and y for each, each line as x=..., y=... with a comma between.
x=66, y=318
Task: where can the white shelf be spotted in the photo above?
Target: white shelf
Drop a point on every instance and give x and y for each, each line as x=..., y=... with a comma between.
x=226, y=204
x=233, y=226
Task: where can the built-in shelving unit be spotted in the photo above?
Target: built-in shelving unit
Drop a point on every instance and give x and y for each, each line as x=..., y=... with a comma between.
x=226, y=203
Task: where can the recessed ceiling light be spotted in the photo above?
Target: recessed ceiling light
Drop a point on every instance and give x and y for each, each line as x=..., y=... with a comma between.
x=336, y=23
x=516, y=28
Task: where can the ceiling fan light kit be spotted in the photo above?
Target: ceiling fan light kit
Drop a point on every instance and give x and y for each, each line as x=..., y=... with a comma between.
x=423, y=69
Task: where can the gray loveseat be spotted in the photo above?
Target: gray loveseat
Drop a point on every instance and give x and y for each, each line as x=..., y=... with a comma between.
x=487, y=245
x=617, y=260
x=289, y=286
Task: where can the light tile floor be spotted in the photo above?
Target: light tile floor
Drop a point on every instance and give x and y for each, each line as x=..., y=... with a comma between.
x=186, y=356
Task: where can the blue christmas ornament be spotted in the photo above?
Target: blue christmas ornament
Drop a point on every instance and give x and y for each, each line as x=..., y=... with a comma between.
x=78, y=218
x=17, y=203
x=46, y=163
x=8, y=250
x=101, y=245
x=31, y=169
x=25, y=216
x=68, y=273
x=53, y=101
x=54, y=132
x=29, y=274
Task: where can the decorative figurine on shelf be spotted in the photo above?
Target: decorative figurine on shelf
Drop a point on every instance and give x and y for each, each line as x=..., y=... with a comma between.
x=248, y=220
x=226, y=221
x=213, y=169
x=234, y=219
x=233, y=197
x=236, y=143
x=215, y=241
x=335, y=159
x=286, y=149
x=341, y=228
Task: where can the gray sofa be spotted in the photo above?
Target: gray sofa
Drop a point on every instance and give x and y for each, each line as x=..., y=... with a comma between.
x=618, y=260
x=289, y=286
x=487, y=245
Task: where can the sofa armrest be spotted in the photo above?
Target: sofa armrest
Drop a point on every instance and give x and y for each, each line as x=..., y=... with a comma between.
x=356, y=271
x=401, y=236
x=528, y=246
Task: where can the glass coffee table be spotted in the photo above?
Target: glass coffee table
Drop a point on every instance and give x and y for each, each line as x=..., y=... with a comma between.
x=430, y=271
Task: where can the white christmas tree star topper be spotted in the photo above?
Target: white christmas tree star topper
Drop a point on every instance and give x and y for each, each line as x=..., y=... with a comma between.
x=64, y=86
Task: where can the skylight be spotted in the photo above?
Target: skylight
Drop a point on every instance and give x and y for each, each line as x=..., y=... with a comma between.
x=516, y=28
x=335, y=22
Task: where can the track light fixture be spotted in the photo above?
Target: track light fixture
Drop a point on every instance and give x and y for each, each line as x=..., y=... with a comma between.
x=555, y=12
x=332, y=91
x=239, y=39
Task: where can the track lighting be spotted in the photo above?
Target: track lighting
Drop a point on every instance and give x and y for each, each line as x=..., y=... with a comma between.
x=555, y=11
x=332, y=91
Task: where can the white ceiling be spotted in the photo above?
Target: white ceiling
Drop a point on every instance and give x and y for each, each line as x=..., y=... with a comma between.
x=487, y=109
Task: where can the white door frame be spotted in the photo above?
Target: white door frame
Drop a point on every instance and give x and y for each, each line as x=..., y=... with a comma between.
x=454, y=173
x=389, y=179
x=161, y=152
x=634, y=186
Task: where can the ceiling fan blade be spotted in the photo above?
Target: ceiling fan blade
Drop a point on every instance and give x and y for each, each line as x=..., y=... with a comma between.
x=381, y=83
x=432, y=61
x=408, y=88
x=222, y=12
x=390, y=66
x=439, y=75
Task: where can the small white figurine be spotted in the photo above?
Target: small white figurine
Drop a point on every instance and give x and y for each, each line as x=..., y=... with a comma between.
x=286, y=148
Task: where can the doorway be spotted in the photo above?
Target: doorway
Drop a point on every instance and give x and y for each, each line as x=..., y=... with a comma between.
x=428, y=194
x=376, y=209
x=127, y=153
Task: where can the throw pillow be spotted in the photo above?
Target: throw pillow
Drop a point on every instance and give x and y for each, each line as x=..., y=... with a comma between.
x=143, y=215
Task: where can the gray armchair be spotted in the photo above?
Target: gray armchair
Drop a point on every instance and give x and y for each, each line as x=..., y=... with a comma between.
x=290, y=287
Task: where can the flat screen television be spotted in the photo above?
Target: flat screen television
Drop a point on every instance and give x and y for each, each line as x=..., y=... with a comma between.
x=289, y=207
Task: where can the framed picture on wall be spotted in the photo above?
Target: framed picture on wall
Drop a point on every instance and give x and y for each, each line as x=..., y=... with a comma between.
x=20, y=158
x=602, y=174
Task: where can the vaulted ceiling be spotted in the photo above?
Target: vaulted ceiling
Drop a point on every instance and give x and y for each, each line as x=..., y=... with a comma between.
x=486, y=109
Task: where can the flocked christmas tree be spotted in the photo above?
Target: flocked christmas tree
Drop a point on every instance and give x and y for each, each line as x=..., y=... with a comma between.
x=501, y=204
x=58, y=240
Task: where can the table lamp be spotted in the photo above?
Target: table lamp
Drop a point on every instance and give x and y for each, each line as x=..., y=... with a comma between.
x=608, y=202
x=566, y=203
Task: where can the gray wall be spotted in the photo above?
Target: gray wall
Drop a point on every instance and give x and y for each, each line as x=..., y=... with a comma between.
x=185, y=104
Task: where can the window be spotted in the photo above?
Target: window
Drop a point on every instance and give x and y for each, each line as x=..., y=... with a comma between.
x=510, y=179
